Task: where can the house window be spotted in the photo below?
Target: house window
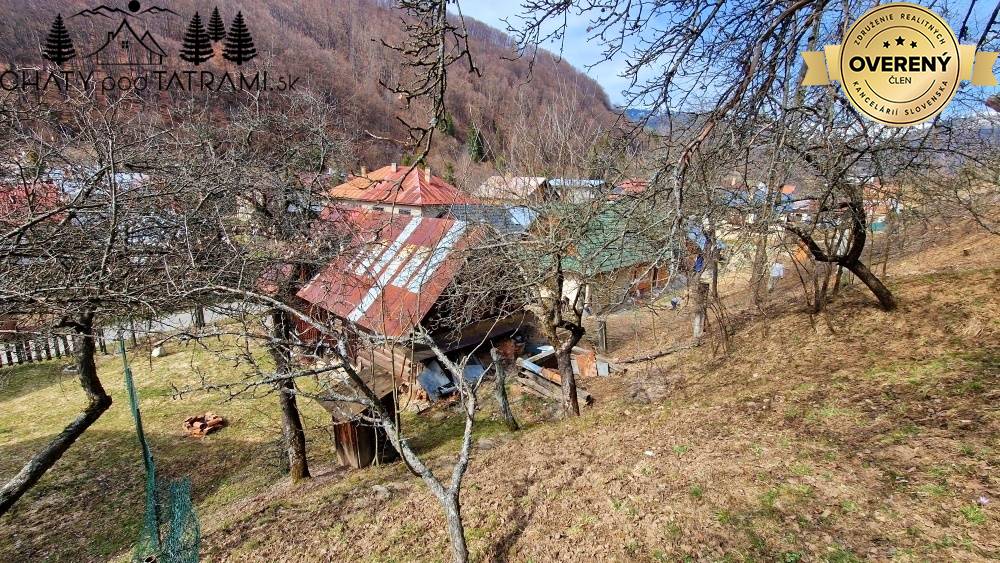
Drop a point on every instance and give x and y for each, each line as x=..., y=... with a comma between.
x=405, y=212
x=378, y=208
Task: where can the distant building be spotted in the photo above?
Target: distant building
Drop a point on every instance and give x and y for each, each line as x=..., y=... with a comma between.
x=577, y=190
x=402, y=190
x=613, y=259
x=20, y=203
x=501, y=189
x=631, y=187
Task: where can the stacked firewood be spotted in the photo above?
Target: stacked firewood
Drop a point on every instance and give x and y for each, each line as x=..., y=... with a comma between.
x=546, y=383
x=202, y=425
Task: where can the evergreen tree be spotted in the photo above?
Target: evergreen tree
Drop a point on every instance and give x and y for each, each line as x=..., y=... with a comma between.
x=197, y=46
x=475, y=145
x=239, y=44
x=216, y=28
x=59, y=46
x=447, y=125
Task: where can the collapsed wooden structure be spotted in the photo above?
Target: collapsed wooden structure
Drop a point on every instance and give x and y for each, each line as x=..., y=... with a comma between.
x=383, y=294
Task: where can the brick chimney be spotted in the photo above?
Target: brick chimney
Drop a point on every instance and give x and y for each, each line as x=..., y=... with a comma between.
x=427, y=175
x=394, y=167
x=364, y=170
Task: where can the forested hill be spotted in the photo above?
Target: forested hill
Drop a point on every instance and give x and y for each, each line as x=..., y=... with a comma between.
x=335, y=47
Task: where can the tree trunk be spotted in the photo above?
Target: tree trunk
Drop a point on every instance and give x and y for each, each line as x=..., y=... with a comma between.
x=501, y=392
x=571, y=405
x=840, y=279
x=456, y=530
x=758, y=272
x=98, y=401
x=199, y=317
x=293, y=432
x=602, y=335
x=852, y=259
x=882, y=293
x=701, y=291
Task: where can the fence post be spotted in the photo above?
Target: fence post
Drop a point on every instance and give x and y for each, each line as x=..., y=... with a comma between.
x=19, y=349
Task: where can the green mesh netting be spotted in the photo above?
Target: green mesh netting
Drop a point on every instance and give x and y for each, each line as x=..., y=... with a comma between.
x=170, y=532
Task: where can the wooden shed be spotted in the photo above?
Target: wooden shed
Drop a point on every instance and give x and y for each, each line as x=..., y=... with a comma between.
x=360, y=442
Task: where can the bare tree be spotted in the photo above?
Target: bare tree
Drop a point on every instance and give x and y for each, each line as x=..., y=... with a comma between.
x=89, y=247
x=731, y=76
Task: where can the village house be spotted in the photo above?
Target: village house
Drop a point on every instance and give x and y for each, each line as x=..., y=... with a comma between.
x=506, y=189
x=403, y=190
x=22, y=202
x=578, y=190
x=611, y=262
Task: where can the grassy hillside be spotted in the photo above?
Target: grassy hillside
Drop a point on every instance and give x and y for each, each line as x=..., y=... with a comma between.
x=872, y=442
x=876, y=440
x=90, y=506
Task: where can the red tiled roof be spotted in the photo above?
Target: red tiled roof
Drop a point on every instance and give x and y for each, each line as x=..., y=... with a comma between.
x=400, y=186
x=633, y=186
x=22, y=202
x=401, y=267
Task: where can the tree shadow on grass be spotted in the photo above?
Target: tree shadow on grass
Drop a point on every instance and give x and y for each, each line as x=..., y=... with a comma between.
x=18, y=381
x=519, y=518
x=90, y=505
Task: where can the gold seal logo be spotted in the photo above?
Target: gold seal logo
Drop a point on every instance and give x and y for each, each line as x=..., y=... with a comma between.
x=900, y=64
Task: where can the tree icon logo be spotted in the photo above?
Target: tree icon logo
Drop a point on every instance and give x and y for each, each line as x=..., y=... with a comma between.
x=59, y=46
x=239, y=47
x=216, y=28
x=197, y=47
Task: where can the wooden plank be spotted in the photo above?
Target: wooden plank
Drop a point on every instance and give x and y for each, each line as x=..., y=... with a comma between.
x=555, y=388
x=535, y=389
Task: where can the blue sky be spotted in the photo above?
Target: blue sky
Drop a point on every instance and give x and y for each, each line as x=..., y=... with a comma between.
x=581, y=52
x=577, y=50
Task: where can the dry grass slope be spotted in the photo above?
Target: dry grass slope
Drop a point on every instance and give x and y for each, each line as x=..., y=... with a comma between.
x=871, y=442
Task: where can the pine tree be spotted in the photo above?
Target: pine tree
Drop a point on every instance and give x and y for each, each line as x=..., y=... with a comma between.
x=197, y=46
x=216, y=28
x=474, y=143
x=239, y=44
x=59, y=46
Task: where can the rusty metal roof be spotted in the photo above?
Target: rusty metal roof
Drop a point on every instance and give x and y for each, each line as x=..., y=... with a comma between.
x=396, y=270
x=398, y=185
x=21, y=202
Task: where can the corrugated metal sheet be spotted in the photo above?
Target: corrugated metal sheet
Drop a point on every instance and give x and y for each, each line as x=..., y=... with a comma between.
x=401, y=267
x=399, y=185
x=510, y=187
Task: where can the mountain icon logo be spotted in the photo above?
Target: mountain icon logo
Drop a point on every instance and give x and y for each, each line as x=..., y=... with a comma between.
x=125, y=46
x=134, y=10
